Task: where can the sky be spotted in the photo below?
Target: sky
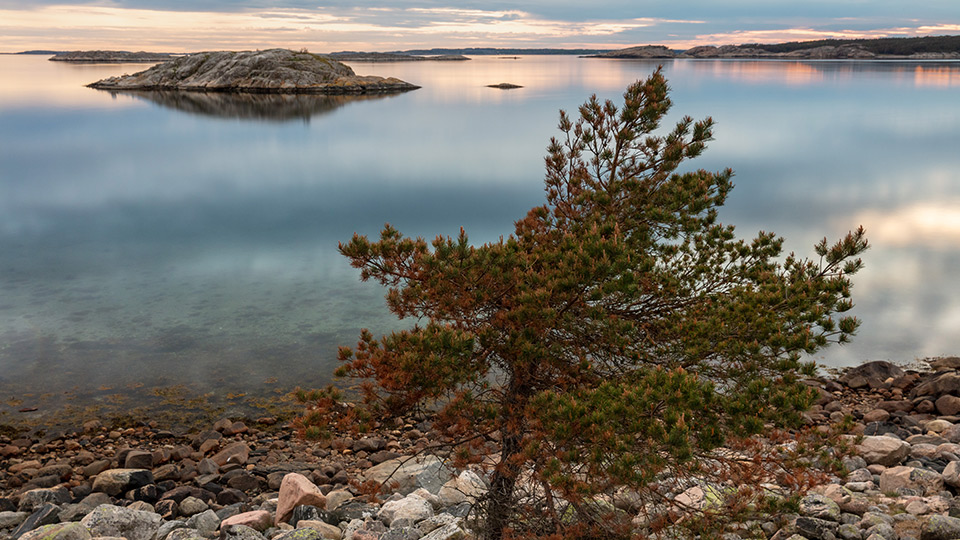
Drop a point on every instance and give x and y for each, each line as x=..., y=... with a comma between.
x=386, y=25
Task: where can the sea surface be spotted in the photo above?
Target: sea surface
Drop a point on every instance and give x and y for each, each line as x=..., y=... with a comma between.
x=151, y=242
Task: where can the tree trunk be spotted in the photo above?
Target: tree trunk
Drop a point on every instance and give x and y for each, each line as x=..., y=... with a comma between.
x=500, y=497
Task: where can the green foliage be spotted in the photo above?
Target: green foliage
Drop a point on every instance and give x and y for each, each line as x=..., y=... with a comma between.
x=616, y=341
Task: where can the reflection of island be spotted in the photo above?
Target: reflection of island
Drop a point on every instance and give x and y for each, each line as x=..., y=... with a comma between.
x=276, y=107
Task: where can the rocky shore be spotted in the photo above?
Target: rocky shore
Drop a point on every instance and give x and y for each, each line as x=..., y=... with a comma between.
x=253, y=479
x=278, y=71
x=826, y=52
x=110, y=57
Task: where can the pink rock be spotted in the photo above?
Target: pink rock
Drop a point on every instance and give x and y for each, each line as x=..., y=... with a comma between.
x=260, y=520
x=295, y=490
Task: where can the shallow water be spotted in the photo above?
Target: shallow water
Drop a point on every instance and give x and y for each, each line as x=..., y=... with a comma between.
x=157, y=240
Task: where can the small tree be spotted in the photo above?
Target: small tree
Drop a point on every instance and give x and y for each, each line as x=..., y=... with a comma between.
x=619, y=334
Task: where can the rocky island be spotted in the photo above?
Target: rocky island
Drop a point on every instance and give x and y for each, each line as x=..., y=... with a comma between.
x=110, y=57
x=275, y=71
x=350, y=56
x=921, y=48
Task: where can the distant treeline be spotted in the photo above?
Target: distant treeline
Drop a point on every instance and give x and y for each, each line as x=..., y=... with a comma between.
x=896, y=46
x=490, y=51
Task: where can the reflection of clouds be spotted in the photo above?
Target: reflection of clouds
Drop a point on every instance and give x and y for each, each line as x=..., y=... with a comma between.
x=939, y=76
x=934, y=225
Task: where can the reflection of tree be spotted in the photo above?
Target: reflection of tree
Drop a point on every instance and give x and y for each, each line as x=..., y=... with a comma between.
x=278, y=107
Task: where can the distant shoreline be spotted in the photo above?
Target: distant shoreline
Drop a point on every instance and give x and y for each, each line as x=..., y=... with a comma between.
x=915, y=48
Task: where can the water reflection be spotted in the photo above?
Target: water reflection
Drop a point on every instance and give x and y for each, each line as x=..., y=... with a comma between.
x=248, y=106
x=124, y=266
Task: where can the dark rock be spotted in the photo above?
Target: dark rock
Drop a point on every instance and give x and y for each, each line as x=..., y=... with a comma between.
x=117, y=481
x=244, y=481
x=306, y=512
x=938, y=384
x=138, y=459
x=180, y=493
x=45, y=515
x=167, y=508
x=814, y=528
x=149, y=493
x=872, y=374
x=231, y=496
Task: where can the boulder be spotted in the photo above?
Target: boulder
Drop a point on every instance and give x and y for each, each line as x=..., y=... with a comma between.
x=405, y=475
x=872, y=374
x=886, y=451
x=109, y=520
x=413, y=507
x=116, y=481
x=948, y=405
x=9, y=519
x=58, y=531
x=938, y=385
x=296, y=490
x=138, y=459
x=937, y=527
x=322, y=528
x=237, y=452
x=239, y=532
x=207, y=522
x=820, y=506
x=951, y=474
x=47, y=514
x=35, y=498
x=467, y=487
x=922, y=481
x=259, y=520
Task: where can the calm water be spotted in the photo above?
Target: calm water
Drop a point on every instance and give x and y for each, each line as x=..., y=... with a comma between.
x=156, y=240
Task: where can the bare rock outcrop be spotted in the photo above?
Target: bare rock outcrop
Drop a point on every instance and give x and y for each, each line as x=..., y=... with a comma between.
x=645, y=51
x=278, y=71
x=110, y=57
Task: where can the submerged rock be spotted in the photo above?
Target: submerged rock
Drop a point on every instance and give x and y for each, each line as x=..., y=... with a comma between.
x=272, y=71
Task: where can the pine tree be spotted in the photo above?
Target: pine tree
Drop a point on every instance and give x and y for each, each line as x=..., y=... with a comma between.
x=620, y=334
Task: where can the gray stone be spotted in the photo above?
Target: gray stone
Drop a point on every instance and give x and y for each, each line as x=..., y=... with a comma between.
x=12, y=519
x=169, y=526
x=849, y=531
x=884, y=530
x=452, y=531
x=192, y=506
x=412, y=507
x=207, y=522
x=937, y=527
x=274, y=70
x=426, y=472
x=185, y=533
x=240, y=532
x=324, y=529
x=815, y=529
x=58, y=531
x=109, y=520
x=872, y=374
x=818, y=506
x=116, y=481
x=35, y=498
x=299, y=534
